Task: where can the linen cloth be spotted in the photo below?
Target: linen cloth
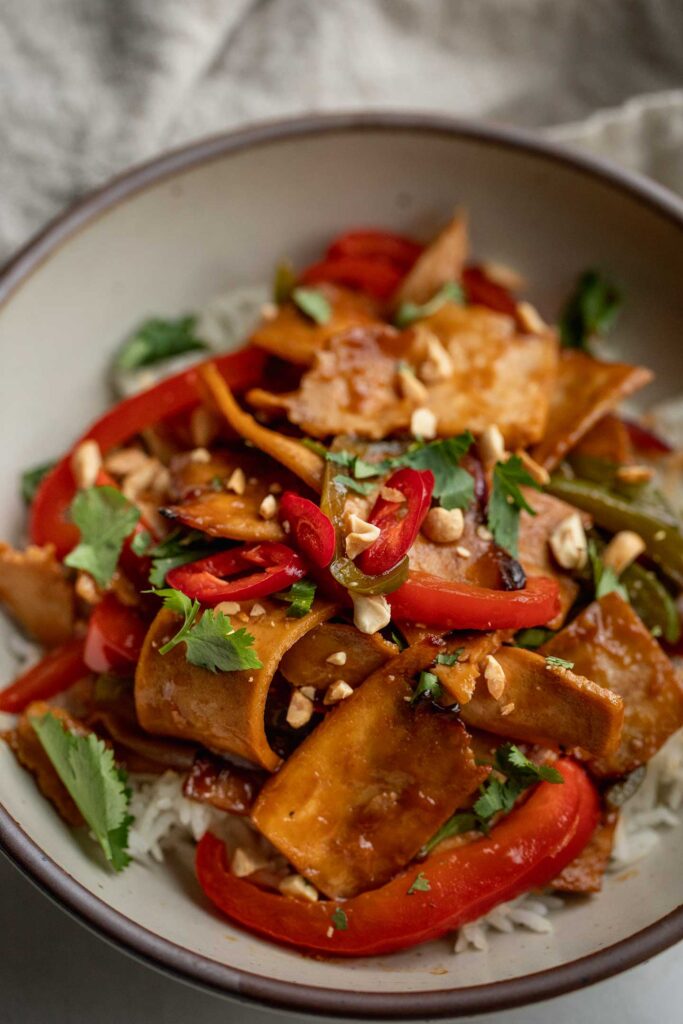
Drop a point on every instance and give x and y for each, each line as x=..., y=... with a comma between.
x=88, y=87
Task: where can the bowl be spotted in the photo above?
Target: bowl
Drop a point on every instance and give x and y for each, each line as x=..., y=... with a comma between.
x=166, y=237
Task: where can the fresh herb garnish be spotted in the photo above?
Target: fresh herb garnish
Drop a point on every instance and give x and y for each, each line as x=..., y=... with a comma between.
x=284, y=282
x=339, y=920
x=156, y=340
x=497, y=795
x=105, y=518
x=398, y=639
x=408, y=312
x=300, y=597
x=449, y=659
x=313, y=303
x=179, y=548
x=357, y=486
x=420, y=884
x=533, y=637
x=94, y=781
x=507, y=501
x=31, y=479
x=428, y=688
x=210, y=641
x=590, y=310
x=605, y=579
x=553, y=662
x=141, y=542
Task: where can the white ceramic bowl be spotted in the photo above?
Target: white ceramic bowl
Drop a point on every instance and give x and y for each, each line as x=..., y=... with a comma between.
x=166, y=237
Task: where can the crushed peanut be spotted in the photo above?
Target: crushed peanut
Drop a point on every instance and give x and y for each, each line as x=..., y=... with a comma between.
x=492, y=446
x=257, y=610
x=125, y=461
x=237, y=482
x=370, y=614
x=298, y=888
x=392, y=494
x=494, y=676
x=443, y=526
x=423, y=423
x=360, y=537
x=622, y=550
x=530, y=319
x=268, y=507
x=87, y=589
x=505, y=276
x=568, y=543
x=308, y=691
x=200, y=455
x=339, y=690
x=463, y=551
x=537, y=472
x=244, y=863
x=438, y=365
x=507, y=709
x=336, y=658
x=634, y=474
x=410, y=387
x=300, y=710
x=203, y=427
x=141, y=479
x=483, y=533
x=86, y=463
x=228, y=607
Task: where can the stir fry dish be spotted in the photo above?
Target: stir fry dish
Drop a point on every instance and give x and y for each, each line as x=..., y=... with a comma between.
x=395, y=585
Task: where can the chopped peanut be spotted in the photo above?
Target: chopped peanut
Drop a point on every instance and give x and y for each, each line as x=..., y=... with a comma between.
x=298, y=888
x=623, y=549
x=443, y=525
x=538, y=473
x=492, y=446
x=634, y=474
x=360, y=537
x=410, y=387
x=245, y=863
x=392, y=494
x=494, y=676
x=228, y=607
x=200, y=455
x=300, y=710
x=370, y=614
x=438, y=365
x=337, y=658
x=257, y=610
x=125, y=461
x=530, y=319
x=423, y=423
x=237, y=482
x=505, y=276
x=568, y=543
x=339, y=690
x=86, y=463
x=268, y=507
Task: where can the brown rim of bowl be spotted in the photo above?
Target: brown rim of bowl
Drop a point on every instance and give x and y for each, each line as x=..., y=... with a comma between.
x=131, y=937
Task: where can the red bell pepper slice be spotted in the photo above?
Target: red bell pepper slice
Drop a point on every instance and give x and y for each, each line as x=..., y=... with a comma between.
x=399, y=521
x=482, y=291
x=374, y=277
x=645, y=440
x=527, y=849
x=376, y=245
x=48, y=522
x=446, y=604
x=308, y=527
x=206, y=580
x=57, y=671
x=115, y=636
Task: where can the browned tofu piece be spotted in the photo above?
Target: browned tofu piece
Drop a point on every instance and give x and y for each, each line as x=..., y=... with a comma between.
x=36, y=592
x=356, y=801
x=30, y=753
x=609, y=644
x=306, y=664
x=222, y=710
x=441, y=261
x=546, y=705
x=585, y=874
x=585, y=391
x=293, y=336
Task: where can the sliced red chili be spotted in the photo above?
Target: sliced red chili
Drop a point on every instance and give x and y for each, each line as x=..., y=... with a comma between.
x=376, y=245
x=399, y=522
x=208, y=580
x=309, y=529
x=374, y=277
x=56, y=672
x=645, y=440
x=446, y=604
x=115, y=636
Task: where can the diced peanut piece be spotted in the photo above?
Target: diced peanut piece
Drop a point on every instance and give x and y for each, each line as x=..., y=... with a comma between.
x=530, y=319
x=438, y=365
x=87, y=589
x=505, y=276
x=410, y=387
x=298, y=888
x=444, y=525
x=228, y=607
x=568, y=543
x=370, y=614
x=268, y=507
x=494, y=676
x=257, y=610
x=423, y=423
x=244, y=862
x=463, y=551
x=392, y=494
x=86, y=463
x=360, y=537
x=634, y=474
x=200, y=455
x=337, y=658
x=492, y=446
x=140, y=480
x=203, y=426
x=483, y=533
x=507, y=709
x=308, y=691
x=237, y=482
x=538, y=473
x=300, y=710
x=336, y=691
x=622, y=550
x=125, y=461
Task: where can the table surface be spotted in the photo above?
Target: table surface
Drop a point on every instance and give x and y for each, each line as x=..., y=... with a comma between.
x=53, y=971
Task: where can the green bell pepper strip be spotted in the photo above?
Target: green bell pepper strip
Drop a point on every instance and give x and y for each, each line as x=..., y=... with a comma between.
x=652, y=602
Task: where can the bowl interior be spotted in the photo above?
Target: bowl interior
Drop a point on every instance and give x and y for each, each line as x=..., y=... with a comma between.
x=170, y=247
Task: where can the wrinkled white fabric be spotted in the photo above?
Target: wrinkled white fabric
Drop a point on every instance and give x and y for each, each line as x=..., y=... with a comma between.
x=90, y=86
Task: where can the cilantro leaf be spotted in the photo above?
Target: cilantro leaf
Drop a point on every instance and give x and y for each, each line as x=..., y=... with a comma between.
x=313, y=303
x=428, y=688
x=553, y=662
x=210, y=641
x=605, y=578
x=456, y=825
x=31, y=479
x=453, y=485
x=591, y=309
x=178, y=548
x=300, y=597
x=408, y=312
x=158, y=339
x=284, y=282
x=339, y=920
x=105, y=518
x=533, y=637
x=97, y=786
x=398, y=638
x=512, y=762
x=141, y=542
x=507, y=501
x=358, y=486
x=420, y=884
x=449, y=659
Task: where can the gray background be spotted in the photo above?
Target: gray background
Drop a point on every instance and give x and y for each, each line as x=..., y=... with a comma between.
x=90, y=86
